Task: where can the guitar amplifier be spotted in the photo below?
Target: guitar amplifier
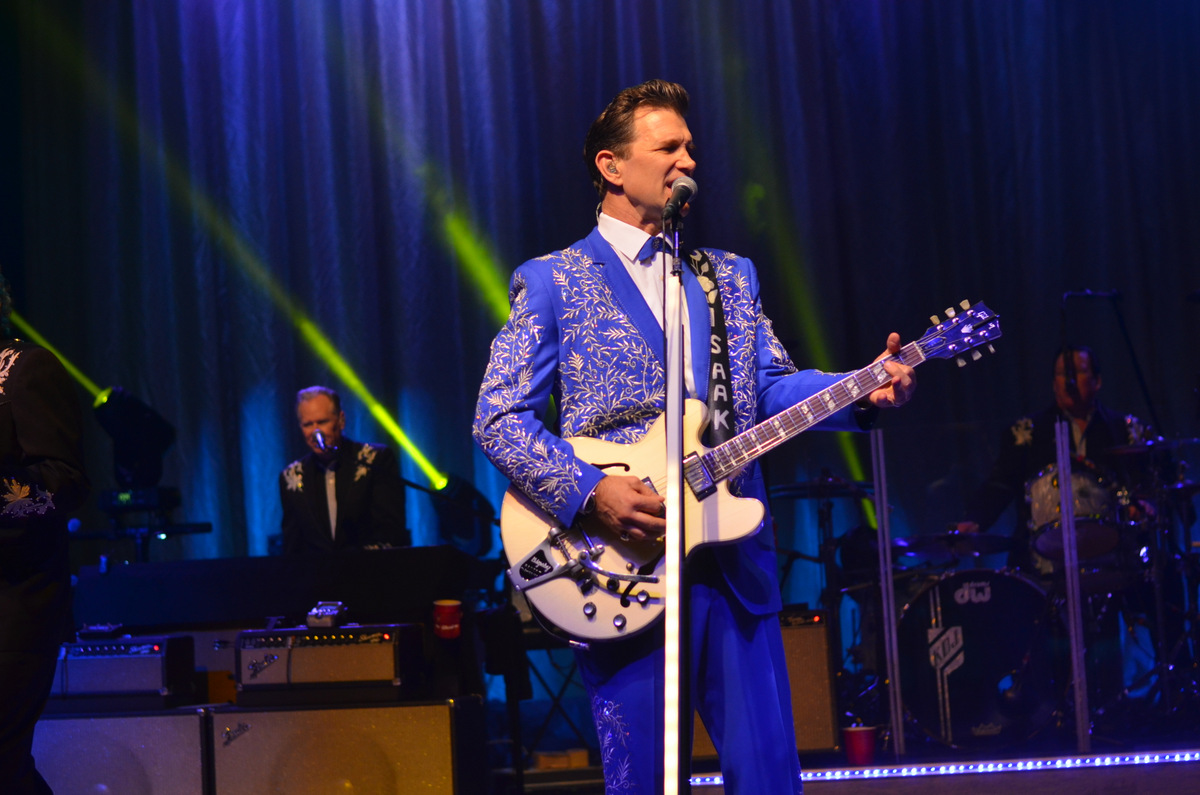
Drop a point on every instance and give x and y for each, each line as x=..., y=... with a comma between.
x=417, y=747
x=806, y=646
x=124, y=673
x=309, y=665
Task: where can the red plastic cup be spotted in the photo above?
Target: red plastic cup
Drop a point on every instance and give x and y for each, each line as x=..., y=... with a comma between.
x=859, y=742
x=447, y=618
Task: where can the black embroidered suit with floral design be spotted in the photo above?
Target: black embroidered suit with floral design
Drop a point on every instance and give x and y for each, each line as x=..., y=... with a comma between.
x=370, y=501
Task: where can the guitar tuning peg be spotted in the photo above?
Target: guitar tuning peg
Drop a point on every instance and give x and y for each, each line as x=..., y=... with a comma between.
x=991, y=349
x=965, y=304
x=933, y=319
x=960, y=361
x=950, y=312
x=976, y=355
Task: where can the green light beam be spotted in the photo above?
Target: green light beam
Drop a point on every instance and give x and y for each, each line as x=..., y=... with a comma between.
x=97, y=394
x=760, y=160
x=213, y=219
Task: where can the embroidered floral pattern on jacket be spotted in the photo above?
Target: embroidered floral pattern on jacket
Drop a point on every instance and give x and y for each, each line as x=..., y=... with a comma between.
x=747, y=327
x=365, y=460
x=8, y=358
x=612, y=385
x=21, y=499
x=293, y=476
x=1022, y=431
x=1135, y=429
x=614, y=751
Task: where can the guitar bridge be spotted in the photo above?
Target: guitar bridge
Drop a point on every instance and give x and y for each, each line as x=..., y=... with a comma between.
x=587, y=560
x=539, y=565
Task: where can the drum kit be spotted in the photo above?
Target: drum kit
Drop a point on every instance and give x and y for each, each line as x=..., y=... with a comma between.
x=983, y=652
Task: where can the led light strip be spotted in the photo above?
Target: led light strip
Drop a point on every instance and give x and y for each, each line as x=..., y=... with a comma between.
x=1010, y=766
x=972, y=768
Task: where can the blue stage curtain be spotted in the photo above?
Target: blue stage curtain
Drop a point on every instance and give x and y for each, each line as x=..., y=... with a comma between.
x=193, y=171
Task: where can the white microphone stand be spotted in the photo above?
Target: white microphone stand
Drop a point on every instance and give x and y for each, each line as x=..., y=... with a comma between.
x=676, y=759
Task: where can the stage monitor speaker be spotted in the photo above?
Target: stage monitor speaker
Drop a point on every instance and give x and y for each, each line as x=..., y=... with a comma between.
x=432, y=748
x=810, y=673
x=150, y=754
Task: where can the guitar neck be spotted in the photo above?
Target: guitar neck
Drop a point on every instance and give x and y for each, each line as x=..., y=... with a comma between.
x=726, y=459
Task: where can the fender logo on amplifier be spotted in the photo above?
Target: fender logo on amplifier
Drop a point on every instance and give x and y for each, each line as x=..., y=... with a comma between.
x=256, y=667
x=229, y=735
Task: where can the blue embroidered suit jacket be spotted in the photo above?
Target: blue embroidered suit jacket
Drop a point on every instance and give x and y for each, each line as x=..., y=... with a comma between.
x=580, y=332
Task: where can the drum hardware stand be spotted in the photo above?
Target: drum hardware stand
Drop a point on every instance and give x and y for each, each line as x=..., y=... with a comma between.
x=1062, y=443
x=1163, y=670
x=792, y=557
x=887, y=590
x=1158, y=550
x=1169, y=682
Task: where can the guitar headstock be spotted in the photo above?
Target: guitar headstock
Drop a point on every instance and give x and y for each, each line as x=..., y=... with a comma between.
x=964, y=331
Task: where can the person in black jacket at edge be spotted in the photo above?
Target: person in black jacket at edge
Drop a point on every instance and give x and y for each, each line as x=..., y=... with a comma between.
x=41, y=481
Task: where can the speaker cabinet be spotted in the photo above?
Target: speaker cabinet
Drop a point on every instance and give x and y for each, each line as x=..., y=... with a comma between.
x=150, y=754
x=433, y=748
x=810, y=674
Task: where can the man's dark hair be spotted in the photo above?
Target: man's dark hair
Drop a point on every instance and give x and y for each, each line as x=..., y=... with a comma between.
x=1071, y=350
x=308, y=393
x=613, y=128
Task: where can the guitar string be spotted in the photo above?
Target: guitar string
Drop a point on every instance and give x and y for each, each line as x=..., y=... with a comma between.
x=743, y=449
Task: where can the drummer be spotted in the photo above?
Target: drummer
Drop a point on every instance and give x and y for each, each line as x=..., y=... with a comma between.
x=1028, y=448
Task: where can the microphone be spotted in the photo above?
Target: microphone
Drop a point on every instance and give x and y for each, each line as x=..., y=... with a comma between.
x=319, y=438
x=682, y=190
x=1111, y=294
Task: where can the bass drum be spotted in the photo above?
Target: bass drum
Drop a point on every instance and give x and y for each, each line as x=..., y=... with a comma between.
x=977, y=655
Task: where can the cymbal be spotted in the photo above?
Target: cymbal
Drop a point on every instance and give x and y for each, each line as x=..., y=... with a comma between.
x=1184, y=487
x=1150, y=446
x=821, y=489
x=957, y=545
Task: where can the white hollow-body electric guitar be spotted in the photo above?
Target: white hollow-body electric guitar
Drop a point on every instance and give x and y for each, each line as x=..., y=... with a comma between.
x=591, y=586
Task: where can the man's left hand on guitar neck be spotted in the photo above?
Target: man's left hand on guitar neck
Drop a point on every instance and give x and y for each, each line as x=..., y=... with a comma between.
x=903, y=384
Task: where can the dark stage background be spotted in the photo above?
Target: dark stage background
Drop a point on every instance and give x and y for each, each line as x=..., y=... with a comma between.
x=206, y=201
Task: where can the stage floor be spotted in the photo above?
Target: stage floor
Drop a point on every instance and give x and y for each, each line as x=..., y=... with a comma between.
x=1046, y=767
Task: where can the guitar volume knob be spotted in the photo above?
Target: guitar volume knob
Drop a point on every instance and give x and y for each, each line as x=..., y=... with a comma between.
x=589, y=609
x=619, y=622
x=642, y=597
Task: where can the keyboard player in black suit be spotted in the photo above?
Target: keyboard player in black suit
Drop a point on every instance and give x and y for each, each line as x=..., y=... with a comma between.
x=342, y=494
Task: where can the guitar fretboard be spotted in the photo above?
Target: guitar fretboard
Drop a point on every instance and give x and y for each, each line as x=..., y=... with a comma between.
x=725, y=459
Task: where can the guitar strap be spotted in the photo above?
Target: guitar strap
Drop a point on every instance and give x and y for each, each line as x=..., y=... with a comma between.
x=720, y=386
